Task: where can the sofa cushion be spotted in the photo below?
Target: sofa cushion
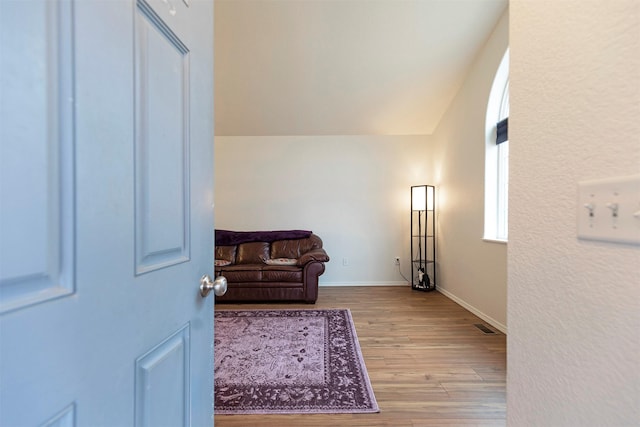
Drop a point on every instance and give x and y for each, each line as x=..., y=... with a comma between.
x=244, y=273
x=282, y=274
x=247, y=273
x=294, y=248
x=227, y=253
x=252, y=253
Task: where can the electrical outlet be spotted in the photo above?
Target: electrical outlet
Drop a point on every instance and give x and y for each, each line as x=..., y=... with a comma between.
x=397, y=260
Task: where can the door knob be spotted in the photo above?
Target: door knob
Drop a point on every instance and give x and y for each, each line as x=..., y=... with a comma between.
x=218, y=286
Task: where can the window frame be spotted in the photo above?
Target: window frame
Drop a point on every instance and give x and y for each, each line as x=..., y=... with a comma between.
x=496, y=217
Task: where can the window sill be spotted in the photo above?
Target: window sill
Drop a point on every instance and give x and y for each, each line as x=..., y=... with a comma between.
x=501, y=241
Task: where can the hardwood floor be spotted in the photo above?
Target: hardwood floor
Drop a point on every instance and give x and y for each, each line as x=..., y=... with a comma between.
x=429, y=365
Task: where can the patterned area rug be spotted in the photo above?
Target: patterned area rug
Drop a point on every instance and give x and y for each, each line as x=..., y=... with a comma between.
x=289, y=362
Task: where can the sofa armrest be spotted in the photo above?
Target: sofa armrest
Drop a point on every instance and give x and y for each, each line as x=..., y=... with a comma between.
x=317, y=254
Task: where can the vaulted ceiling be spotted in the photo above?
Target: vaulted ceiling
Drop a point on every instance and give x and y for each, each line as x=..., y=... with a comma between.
x=343, y=67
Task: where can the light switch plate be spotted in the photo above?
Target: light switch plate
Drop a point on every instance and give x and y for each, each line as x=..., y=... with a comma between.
x=609, y=209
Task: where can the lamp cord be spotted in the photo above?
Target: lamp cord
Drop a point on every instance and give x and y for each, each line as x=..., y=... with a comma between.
x=402, y=275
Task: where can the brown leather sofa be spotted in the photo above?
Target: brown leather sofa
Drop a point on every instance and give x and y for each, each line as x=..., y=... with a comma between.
x=273, y=268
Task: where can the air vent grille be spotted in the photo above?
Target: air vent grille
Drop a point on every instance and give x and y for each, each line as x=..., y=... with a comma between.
x=483, y=328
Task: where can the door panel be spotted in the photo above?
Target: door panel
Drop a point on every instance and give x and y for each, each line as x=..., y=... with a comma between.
x=162, y=143
x=66, y=418
x=162, y=383
x=37, y=245
x=120, y=226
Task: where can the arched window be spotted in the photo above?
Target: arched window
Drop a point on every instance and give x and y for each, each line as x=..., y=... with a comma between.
x=496, y=206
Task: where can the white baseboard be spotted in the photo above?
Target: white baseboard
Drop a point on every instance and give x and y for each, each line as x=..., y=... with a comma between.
x=330, y=284
x=493, y=322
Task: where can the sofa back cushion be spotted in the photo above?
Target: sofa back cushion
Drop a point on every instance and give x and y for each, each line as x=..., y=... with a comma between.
x=294, y=248
x=226, y=253
x=252, y=253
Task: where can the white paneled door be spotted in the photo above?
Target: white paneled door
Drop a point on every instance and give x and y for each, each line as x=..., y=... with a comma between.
x=106, y=226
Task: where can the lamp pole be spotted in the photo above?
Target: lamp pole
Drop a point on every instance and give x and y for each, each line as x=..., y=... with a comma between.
x=420, y=269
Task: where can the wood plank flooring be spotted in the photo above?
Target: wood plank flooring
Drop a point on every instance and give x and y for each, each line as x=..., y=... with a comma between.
x=429, y=365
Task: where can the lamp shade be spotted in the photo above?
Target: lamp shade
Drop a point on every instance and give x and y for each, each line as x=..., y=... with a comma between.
x=422, y=197
x=419, y=198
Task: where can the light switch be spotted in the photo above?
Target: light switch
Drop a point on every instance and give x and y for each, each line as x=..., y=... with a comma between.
x=609, y=209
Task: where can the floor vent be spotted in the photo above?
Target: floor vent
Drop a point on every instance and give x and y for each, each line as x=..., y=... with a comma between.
x=483, y=328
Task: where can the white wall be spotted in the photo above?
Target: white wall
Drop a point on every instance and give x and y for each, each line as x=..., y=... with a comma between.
x=352, y=191
x=573, y=305
x=342, y=67
x=471, y=271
